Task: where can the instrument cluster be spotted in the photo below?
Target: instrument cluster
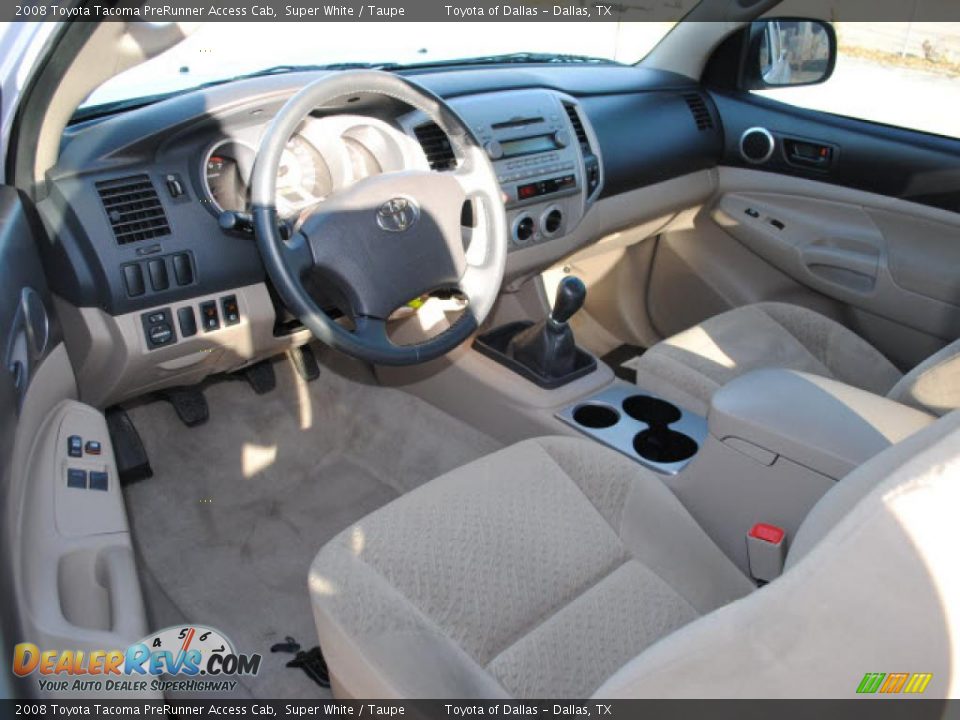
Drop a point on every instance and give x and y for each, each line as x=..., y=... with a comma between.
x=325, y=154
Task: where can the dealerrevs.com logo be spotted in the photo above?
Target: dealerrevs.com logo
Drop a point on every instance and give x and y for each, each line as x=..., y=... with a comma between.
x=194, y=658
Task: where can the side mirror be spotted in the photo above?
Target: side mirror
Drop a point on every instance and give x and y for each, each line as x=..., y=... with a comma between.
x=787, y=53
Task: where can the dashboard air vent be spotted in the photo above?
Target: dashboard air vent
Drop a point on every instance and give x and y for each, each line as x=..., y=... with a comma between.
x=133, y=208
x=699, y=110
x=577, y=125
x=757, y=145
x=436, y=146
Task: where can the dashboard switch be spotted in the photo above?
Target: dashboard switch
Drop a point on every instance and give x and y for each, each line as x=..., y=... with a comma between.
x=174, y=186
x=209, y=317
x=182, y=269
x=133, y=279
x=93, y=447
x=76, y=478
x=158, y=274
x=160, y=334
x=231, y=311
x=158, y=328
x=187, y=321
x=75, y=446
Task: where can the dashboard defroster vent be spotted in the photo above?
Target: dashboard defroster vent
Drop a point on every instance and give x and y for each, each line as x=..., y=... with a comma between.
x=133, y=208
x=436, y=146
x=699, y=110
x=577, y=125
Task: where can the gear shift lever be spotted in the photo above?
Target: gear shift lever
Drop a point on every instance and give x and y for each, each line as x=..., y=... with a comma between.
x=571, y=292
x=548, y=347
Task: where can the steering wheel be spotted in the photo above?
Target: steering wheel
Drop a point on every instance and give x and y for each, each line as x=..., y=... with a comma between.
x=386, y=239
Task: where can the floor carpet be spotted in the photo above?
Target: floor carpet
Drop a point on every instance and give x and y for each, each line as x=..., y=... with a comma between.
x=237, y=509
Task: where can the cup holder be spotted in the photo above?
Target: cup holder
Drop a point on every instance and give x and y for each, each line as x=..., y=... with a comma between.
x=662, y=445
x=596, y=417
x=652, y=411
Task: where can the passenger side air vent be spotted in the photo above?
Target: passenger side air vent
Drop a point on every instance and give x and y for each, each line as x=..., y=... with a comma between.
x=436, y=146
x=699, y=110
x=577, y=126
x=133, y=208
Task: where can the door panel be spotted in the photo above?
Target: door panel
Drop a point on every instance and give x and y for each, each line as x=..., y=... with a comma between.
x=841, y=251
x=66, y=552
x=870, y=238
x=878, y=159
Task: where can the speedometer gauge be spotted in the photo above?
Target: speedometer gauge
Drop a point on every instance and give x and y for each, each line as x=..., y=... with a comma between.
x=302, y=178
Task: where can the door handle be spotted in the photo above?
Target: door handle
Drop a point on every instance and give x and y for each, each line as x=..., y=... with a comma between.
x=808, y=154
x=115, y=570
x=853, y=260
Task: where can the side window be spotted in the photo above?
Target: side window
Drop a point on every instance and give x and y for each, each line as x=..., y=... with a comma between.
x=897, y=73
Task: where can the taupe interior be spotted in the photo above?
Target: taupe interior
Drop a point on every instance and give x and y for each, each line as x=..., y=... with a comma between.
x=769, y=347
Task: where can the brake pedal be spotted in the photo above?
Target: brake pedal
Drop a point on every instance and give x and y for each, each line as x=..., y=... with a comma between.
x=305, y=363
x=132, y=461
x=190, y=405
x=261, y=377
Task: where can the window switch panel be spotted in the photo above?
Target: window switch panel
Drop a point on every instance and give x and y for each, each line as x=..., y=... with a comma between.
x=98, y=480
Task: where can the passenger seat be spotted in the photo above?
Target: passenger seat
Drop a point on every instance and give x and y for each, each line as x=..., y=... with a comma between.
x=690, y=366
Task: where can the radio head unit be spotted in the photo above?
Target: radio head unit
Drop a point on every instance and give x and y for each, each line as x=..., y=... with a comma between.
x=539, y=144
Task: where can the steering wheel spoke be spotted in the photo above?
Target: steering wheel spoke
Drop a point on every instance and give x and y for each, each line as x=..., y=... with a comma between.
x=372, y=330
x=472, y=179
x=297, y=254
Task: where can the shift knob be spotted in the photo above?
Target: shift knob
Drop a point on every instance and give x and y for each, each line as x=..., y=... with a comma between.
x=571, y=292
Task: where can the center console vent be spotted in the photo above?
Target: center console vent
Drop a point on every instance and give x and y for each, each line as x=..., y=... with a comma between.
x=577, y=127
x=133, y=208
x=699, y=110
x=591, y=163
x=436, y=146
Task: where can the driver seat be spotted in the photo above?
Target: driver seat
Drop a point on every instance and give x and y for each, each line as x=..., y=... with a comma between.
x=557, y=568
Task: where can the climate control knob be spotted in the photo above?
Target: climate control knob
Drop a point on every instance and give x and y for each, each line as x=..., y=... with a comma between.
x=561, y=138
x=552, y=221
x=523, y=229
x=494, y=149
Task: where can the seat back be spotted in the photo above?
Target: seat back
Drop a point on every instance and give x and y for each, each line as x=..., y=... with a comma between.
x=871, y=585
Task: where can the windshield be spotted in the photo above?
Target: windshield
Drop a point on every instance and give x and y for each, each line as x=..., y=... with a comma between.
x=218, y=51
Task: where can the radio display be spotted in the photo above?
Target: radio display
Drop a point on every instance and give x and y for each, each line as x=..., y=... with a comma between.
x=527, y=145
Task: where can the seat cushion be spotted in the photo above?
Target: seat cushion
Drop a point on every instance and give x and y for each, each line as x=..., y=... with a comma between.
x=934, y=384
x=533, y=572
x=690, y=366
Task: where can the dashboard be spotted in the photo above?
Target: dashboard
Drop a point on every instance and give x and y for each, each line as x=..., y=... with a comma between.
x=137, y=202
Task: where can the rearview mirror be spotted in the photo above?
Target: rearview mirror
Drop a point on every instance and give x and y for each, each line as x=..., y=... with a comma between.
x=788, y=53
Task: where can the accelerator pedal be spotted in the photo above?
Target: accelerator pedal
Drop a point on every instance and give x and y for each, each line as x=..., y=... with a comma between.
x=132, y=461
x=305, y=363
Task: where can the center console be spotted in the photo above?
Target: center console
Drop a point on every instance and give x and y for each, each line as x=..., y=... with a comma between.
x=776, y=441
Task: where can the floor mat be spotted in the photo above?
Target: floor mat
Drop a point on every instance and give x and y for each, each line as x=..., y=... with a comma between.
x=237, y=509
x=620, y=358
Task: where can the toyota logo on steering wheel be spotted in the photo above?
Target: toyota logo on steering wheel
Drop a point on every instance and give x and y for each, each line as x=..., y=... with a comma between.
x=398, y=214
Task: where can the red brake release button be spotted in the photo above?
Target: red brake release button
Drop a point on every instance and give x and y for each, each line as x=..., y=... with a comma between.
x=767, y=533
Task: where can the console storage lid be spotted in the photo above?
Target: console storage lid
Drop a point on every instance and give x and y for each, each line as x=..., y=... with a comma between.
x=823, y=424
